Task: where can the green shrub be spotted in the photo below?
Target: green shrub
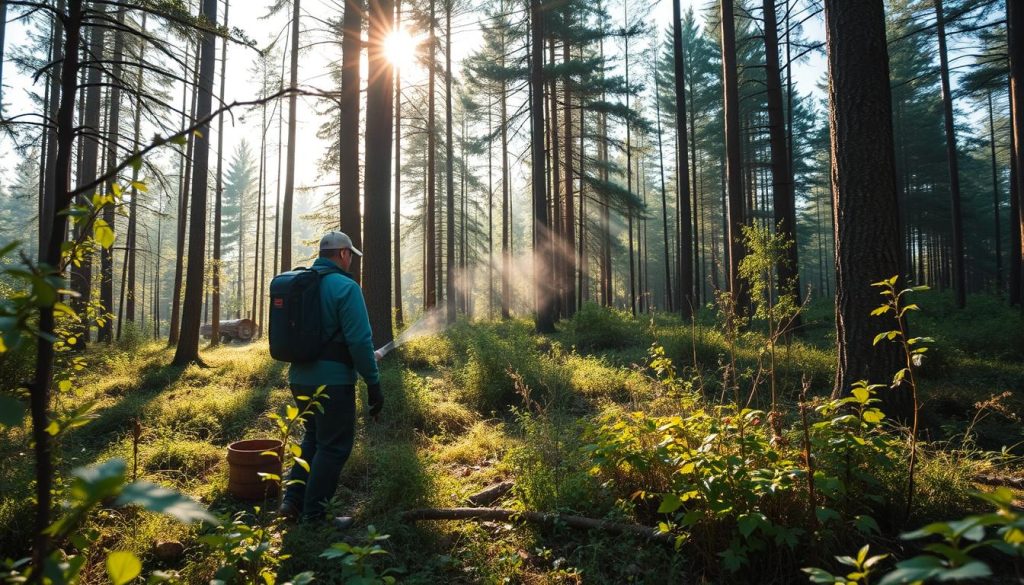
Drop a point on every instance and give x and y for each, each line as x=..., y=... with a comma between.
x=595, y=327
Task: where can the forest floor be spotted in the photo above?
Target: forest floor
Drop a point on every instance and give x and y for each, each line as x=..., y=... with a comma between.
x=490, y=401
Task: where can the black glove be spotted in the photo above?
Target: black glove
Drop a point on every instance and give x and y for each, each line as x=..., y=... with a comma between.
x=375, y=398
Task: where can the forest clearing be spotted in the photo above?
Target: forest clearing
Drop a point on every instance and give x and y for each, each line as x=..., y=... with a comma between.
x=511, y=291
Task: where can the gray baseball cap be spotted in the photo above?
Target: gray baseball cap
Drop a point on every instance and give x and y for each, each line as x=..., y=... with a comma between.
x=335, y=240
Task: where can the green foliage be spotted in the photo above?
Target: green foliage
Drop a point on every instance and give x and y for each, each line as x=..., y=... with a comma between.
x=356, y=565
x=594, y=327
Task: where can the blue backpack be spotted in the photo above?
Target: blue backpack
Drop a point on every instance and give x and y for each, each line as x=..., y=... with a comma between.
x=295, y=320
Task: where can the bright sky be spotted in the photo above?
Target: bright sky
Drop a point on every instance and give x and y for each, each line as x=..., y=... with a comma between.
x=313, y=72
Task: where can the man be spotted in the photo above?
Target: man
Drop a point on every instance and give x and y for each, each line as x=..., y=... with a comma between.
x=348, y=351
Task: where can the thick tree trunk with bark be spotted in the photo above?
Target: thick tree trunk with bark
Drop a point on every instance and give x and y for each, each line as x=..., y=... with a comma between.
x=81, y=276
x=684, y=301
x=784, y=198
x=351, y=48
x=544, y=320
x=50, y=253
x=399, y=317
x=734, y=157
x=449, y=174
x=1015, y=42
x=379, y=102
x=430, y=222
x=864, y=187
x=188, y=345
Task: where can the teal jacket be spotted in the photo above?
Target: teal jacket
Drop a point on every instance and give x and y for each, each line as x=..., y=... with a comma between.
x=341, y=305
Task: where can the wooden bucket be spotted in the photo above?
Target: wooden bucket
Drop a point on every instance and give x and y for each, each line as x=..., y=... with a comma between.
x=246, y=461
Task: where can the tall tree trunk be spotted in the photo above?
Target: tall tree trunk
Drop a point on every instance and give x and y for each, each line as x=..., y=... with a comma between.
x=784, y=198
x=506, y=209
x=734, y=157
x=351, y=48
x=289, y=177
x=106, y=330
x=399, y=317
x=685, y=293
x=629, y=169
x=187, y=351
x=1015, y=46
x=81, y=276
x=544, y=320
x=379, y=120
x=217, y=206
x=865, y=193
x=959, y=280
x=568, y=211
x=50, y=254
x=664, y=203
x=133, y=221
x=3, y=38
x=997, y=231
x=156, y=272
x=183, y=194
x=449, y=178
x=1016, y=230
x=430, y=225
x=46, y=207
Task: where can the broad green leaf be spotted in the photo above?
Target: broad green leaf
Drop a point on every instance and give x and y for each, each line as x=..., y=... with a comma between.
x=122, y=567
x=159, y=499
x=179, y=139
x=139, y=185
x=669, y=504
x=817, y=575
x=880, y=310
x=879, y=337
x=135, y=162
x=116, y=188
x=302, y=463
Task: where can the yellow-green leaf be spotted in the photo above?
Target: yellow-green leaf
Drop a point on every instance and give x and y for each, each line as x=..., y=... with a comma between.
x=116, y=189
x=295, y=449
x=64, y=385
x=103, y=233
x=879, y=337
x=861, y=394
x=302, y=463
x=873, y=415
x=53, y=428
x=140, y=186
x=122, y=567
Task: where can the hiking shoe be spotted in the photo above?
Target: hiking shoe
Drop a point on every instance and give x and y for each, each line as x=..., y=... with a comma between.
x=343, y=522
x=289, y=511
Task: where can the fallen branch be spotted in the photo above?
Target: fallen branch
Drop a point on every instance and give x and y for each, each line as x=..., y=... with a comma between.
x=995, y=480
x=505, y=515
x=490, y=494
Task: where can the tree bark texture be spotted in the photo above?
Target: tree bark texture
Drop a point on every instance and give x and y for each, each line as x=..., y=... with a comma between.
x=188, y=344
x=351, y=47
x=379, y=110
x=867, y=238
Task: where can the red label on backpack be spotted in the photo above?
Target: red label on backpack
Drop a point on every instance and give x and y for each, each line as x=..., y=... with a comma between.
x=279, y=303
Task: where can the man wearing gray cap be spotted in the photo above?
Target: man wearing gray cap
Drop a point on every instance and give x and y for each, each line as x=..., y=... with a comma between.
x=348, y=351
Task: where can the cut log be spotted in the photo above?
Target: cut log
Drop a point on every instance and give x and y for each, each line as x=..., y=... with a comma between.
x=240, y=329
x=995, y=480
x=490, y=494
x=504, y=515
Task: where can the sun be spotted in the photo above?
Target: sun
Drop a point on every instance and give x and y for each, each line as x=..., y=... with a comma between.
x=400, y=48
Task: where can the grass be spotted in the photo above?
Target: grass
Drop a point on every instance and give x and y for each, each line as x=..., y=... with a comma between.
x=487, y=401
